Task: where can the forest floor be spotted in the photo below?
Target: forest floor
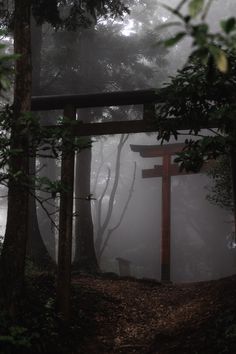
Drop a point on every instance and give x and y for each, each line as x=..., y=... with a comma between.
x=113, y=315
x=128, y=316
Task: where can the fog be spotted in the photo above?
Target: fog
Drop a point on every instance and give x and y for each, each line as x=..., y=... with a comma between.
x=200, y=232
x=119, y=55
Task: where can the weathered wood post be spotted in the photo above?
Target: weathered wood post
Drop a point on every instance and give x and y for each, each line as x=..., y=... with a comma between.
x=149, y=117
x=166, y=219
x=65, y=222
x=124, y=267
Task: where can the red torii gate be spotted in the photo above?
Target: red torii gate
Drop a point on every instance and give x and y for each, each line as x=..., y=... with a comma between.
x=166, y=171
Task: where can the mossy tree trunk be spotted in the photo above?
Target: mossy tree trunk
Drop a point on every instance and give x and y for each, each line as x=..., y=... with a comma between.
x=12, y=261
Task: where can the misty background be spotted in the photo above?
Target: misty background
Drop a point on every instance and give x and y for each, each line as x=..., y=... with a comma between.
x=122, y=55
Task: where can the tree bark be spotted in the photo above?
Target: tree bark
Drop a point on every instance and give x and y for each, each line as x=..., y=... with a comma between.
x=63, y=294
x=14, y=248
x=233, y=171
x=37, y=250
x=36, y=48
x=85, y=256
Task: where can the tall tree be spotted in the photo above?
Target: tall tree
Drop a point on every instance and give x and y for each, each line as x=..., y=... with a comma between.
x=14, y=249
x=13, y=253
x=37, y=251
x=103, y=58
x=85, y=257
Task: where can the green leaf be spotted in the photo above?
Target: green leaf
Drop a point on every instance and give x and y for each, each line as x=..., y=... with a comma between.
x=222, y=62
x=195, y=7
x=228, y=25
x=174, y=40
x=220, y=58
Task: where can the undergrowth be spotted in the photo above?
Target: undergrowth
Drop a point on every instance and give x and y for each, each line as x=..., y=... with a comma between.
x=38, y=329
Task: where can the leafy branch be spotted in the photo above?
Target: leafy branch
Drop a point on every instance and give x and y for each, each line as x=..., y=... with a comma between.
x=210, y=47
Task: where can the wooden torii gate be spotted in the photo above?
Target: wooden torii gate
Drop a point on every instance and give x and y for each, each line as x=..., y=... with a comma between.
x=166, y=171
x=69, y=103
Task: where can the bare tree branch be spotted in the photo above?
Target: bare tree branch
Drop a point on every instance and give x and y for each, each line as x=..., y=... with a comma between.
x=41, y=203
x=110, y=231
x=102, y=226
x=99, y=214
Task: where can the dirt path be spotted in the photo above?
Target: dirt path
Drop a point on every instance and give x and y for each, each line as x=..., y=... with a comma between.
x=126, y=316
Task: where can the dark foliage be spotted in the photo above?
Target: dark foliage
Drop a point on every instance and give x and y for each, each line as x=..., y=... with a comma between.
x=201, y=97
x=67, y=14
x=220, y=193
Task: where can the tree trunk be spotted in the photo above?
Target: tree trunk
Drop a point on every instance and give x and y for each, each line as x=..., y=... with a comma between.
x=37, y=251
x=233, y=171
x=63, y=292
x=36, y=48
x=14, y=247
x=85, y=257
